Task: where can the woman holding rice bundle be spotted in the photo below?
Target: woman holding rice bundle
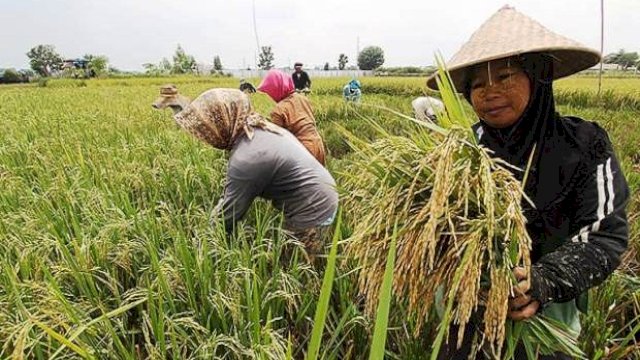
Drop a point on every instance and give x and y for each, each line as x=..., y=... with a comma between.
x=264, y=161
x=293, y=112
x=577, y=221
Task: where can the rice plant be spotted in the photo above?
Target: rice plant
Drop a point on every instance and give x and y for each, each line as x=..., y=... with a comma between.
x=106, y=250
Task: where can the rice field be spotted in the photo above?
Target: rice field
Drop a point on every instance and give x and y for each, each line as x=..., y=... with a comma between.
x=106, y=251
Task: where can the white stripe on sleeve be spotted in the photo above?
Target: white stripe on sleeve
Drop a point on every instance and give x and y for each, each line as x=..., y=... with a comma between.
x=610, y=187
x=583, y=234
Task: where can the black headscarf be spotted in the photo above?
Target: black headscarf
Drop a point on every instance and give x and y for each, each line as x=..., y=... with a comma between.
x=536, y=126
x=556, y=161
x=514, y=143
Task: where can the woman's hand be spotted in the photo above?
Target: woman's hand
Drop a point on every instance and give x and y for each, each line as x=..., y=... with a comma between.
x=522, y=306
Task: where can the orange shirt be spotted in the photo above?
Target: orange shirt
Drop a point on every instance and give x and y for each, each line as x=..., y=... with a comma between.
x=294, y=114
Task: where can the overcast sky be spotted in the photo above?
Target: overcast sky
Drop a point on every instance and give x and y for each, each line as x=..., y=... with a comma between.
x=133, y=32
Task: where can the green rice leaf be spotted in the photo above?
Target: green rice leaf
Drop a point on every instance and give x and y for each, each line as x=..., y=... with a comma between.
x=325, y=294
x=382, y=316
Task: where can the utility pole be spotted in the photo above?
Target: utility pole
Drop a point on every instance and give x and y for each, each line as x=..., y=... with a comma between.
x=357, y=49
x=601, y=45
x=255, y=30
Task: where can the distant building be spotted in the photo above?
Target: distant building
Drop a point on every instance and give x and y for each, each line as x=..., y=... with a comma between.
x=605, y=67
x=75, y=64
x=77, y=67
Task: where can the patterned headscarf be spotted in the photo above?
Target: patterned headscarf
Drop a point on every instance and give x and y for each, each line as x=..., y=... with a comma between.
x=277, y=85
x=220, y=117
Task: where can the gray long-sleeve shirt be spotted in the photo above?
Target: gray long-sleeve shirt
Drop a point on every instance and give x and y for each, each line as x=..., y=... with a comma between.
x=279, y=168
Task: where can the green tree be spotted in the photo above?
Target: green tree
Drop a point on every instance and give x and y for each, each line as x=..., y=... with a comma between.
x=613, y=57
x=370, y=58
x=151, y=69
x=98, y=64
x=326, y=66
x=44, y=60
x=217, y=63
x=342, y=61
x=182, y=62
x=11, y=76
x=28, y=73
x=164, y=66
x=622, y=58
x=265, y=60
x=628, y=60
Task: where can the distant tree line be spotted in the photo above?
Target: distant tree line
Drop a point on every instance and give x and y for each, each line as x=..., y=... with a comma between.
x=624, y=60
x=182, y=63
x=370, y=58
x=45, y=61
x=13, y=76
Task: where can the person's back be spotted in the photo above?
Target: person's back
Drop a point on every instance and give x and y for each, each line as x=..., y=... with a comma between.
x=265, y=161
x=294, y=114
x=351, y=91
x=426, y=108
x=300, y=78
x=278, y=168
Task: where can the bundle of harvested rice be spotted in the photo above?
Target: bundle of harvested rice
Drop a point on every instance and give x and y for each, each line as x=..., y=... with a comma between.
x=461, y=230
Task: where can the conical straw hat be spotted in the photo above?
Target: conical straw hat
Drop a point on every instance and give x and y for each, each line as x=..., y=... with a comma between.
x=509, y=33
x=168, y=90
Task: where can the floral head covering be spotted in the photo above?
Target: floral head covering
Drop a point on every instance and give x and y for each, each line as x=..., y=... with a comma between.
x=220, y=117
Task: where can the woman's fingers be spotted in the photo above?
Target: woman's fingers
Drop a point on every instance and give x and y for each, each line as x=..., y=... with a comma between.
x=522, y=306
x=525, y=312
x=522, y=288
x=519, y=302
x=520, y=273
x=524, y=284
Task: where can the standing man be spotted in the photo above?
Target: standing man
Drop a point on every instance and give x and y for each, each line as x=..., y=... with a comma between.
x=301, y=78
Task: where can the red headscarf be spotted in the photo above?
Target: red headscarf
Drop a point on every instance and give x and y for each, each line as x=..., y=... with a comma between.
x=277, y=85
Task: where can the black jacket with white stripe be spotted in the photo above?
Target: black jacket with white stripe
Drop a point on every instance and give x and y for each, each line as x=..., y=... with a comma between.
x=580, y=234
x=577, y=222
x=579, y=225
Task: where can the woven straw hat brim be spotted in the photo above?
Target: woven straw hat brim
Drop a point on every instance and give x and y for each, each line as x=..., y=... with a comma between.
x=168, y=90
x=565, y=62
x=510, y=33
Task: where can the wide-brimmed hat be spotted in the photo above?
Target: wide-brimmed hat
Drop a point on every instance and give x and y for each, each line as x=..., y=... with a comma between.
x=510, y=33
x=168, y=90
